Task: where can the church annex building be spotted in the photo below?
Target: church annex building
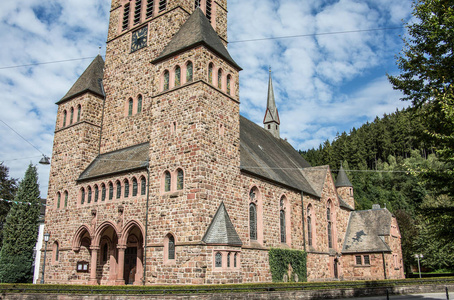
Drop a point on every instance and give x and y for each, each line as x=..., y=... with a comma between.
x=157, y=179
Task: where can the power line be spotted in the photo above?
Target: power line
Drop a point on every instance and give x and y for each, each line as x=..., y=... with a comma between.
x=46, y=63
x=22, y=137
x=19, y=202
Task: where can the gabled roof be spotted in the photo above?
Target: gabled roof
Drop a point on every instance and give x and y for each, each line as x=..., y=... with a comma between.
x=123, y=160
x=196, y=31
x=89, y=81
x=344, y=204
x=366, y=230
x=316, y=176
x=342, y=179
x=221, y=230
x=266, y=156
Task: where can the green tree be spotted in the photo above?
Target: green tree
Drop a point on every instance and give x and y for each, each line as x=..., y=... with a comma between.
x=20, y=231
x=8, y=187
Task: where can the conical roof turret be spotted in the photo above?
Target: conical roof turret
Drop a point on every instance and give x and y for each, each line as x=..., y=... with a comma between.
x=342, y=179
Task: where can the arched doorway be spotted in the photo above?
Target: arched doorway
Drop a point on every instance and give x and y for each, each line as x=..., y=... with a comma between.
x=133, y=254
x=104, y=259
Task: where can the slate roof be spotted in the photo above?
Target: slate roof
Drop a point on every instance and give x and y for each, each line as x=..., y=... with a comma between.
x=344, y=204
x=89, y=81
x=266, y=156
x=342, y=179
x=366, y=230
x=221, y=230
x=271, y=114
x=123, y=160
x=196, y=31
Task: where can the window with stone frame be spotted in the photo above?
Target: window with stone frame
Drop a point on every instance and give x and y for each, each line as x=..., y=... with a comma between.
x=228, y=260
x=56, y=252
x=79, y=110
x=150, y=8
x=143, y=186
x=210, y=73
x=220, y=78
x=118, y=184
x=162, y=5
x=71, y=116
x=139, y=103
x=58, y=200
x=82, y=196
x=189, y=72
x=103, y=192
x=177, y=76
x=229, y=79
x=329, y=225
x=130, y=106
x=253, y=221
x=235, y=259
x=66, y=198
x=137, y=11
x=218, y=260
x=282, y=223
x=64, y=118
x=134, y=187
x=125, y=24
x=89, y=195
x=167, y=181
x=180, y=179
x=366, y=260
x=166, y=80
x=110, y=190
x=126, y=188
x=309, y=225
x=358, y=260
x=171, y=249
x=96, y=193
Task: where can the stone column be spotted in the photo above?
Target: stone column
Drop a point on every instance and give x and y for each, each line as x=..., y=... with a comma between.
x=121, y=265
x=113, y=267
x=139, y=267
x=94, y=260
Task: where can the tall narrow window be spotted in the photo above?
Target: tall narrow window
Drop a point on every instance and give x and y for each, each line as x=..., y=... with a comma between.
x=235, y=260
x=58, y=200
x=167, y=181
x=228, y=260
x=118, y=189
x=208, y=10
x=79, y=110
x=126, y=188
x=126, y=17
x=150, y=7
x=210, y=73
x=110, y=190
x=82, y=196
x=220, y=79
x=134, y=187
x=218, y=260
x=282, y=221
x=66, y=198
x=96, y=193
x=229, y=79
x=166, y=80
x=197, y=3
x=130, y=105
x=328, y=217
x=143, y=186
x=71, y=116
x=89, y=195
x=64, y=118
x=253, y=221
x=137, y=11
x=171, y=253
x=162, y=5
x=56, y=252
x=177, y=76
x=139, y=104
x=367, y=260
x=180, y=179
x=309, y=227
x=103, y=192
x=189, y=72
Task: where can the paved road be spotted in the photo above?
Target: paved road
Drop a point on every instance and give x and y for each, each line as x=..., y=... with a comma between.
x=437, y=296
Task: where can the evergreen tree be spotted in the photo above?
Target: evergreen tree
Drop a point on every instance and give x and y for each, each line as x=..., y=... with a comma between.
x=8, y=187
x=20, y=231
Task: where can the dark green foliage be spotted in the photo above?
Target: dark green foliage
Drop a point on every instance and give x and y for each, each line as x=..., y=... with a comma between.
x=280, y=259
x=8, y=187
x=20, y=231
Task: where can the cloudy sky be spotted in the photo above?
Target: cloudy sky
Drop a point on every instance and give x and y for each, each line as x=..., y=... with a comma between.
x=324, y=83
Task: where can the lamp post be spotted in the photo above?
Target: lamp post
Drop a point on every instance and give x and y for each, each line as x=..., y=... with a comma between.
x=418, y=256
x=46, y=239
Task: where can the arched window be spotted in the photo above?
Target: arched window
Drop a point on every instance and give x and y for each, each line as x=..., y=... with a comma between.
x=143, y=186
x=253, y=221
x=66, y=198
x=137, y=11
x=220, y=78
x=282, y=222
x=96, y=193
x=177, y=76
x=329, y=225
x=210, y=73
x=189, y=72
x=130, y=106
x=171, y=249
x=309, y=226
x=134, y=187
x=229, y=79
x=103, y=192
x=180, y=179
x=139, y=104
x=167, y=181
x=105, y=253
x=71, y=116
x=79, y=110
x=235, y=260
x=162, y=5
x=228, y=260
x=56, y=252
x=118, y=189
x=110, y=190
x=126, y=188
x=58, y=199
x=64, y=118
x=82, y=196
x=218, y=260
x=89, y=195
x=150, y=7
x=126, y=17
x=166, y=80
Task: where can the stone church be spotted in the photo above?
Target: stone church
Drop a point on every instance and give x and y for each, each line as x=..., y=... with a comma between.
x=157, y=179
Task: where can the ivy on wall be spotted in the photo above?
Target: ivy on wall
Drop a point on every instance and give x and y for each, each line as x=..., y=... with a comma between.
x=281, y=260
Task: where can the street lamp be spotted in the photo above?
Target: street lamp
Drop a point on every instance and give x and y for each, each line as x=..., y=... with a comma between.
x=44, y=160
x=418, y=256
x=46, y=239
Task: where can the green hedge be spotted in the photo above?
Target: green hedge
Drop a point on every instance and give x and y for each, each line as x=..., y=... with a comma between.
x=281, y=259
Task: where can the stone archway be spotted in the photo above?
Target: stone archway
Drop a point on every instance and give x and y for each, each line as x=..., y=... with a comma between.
x=104, y=255
x=132, y=248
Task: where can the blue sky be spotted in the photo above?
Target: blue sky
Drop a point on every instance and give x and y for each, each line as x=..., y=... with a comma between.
x=324, y=84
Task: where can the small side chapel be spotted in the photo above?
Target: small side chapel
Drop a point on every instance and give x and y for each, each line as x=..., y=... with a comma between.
x=157, y=179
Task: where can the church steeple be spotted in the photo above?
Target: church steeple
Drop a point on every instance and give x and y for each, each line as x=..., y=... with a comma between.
x=271, y=121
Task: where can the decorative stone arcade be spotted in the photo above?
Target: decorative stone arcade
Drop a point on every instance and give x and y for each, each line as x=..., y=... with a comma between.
x=116, y=255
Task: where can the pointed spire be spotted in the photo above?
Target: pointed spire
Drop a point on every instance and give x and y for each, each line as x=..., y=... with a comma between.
x=342, y=179
x=271, y=121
